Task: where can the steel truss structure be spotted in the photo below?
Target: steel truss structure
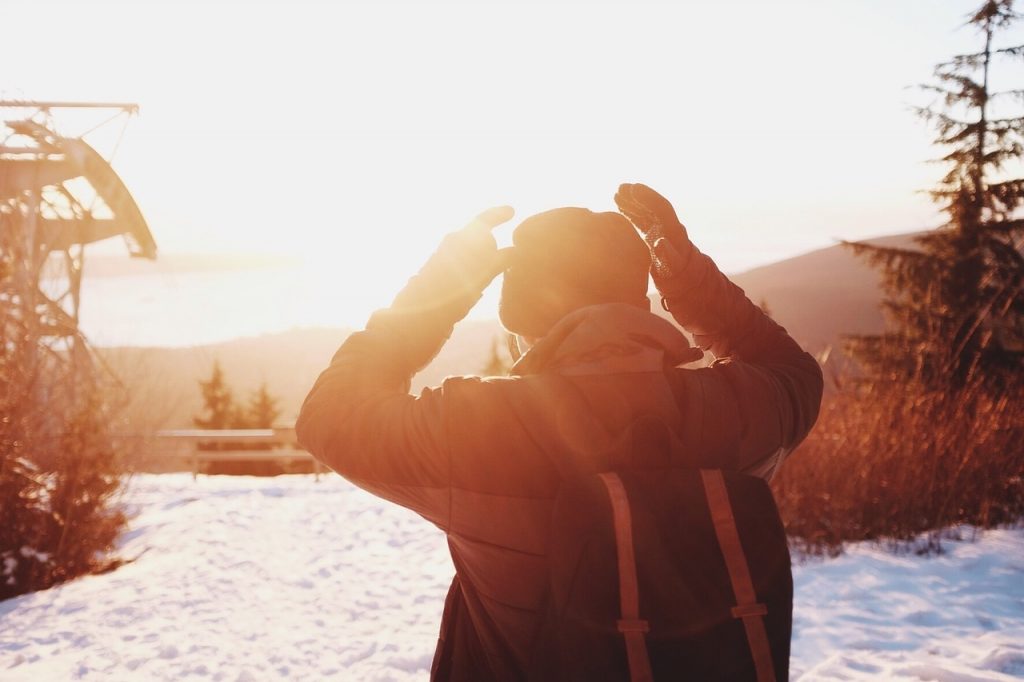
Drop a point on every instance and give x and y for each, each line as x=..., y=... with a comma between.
x=57, y=195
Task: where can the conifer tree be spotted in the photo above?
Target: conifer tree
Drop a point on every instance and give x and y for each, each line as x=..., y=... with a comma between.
x=955, y=302
x=263, y=409
x=218, y=402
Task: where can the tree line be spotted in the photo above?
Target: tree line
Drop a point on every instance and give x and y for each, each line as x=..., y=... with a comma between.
x=222, y=410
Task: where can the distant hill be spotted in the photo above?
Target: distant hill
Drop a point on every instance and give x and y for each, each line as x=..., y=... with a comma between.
x=822, y=295
x=817, y=296
x=164, y=381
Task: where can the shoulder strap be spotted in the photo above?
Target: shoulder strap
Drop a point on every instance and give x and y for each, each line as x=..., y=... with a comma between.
x=747, y=607
x=630, y=624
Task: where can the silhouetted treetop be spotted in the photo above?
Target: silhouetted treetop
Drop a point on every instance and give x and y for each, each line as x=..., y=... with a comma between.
x=955, y=304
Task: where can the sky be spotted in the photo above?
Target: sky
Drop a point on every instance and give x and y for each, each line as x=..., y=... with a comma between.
x=354, y=135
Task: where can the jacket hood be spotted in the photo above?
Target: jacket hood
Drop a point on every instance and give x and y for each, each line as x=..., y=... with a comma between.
x=605, y=339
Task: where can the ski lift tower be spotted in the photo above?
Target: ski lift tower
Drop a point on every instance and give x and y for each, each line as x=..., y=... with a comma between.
x=57, y=195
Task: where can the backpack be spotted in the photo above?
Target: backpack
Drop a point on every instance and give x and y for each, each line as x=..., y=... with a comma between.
x=661, y=574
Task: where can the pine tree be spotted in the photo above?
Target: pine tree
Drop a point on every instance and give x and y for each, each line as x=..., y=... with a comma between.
x=955, y=302
x=218, y=402
x=263, y=409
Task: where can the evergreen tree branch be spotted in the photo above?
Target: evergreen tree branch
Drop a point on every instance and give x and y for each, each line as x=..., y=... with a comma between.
x=1015, y=51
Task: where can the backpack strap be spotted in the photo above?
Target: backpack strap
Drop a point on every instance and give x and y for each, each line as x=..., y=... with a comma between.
x=630, y=625
x=747, y=607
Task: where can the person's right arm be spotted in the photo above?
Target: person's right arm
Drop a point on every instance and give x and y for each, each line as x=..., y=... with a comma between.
x=359, y=418
x=761, y=396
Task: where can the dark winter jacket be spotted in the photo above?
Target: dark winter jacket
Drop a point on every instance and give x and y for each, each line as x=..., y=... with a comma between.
x=483, y=458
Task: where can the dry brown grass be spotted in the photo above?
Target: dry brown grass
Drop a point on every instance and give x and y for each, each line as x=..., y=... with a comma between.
x=894, y=461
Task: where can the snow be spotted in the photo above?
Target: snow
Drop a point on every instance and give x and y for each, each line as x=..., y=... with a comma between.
x=245, y=579
x=872, y=614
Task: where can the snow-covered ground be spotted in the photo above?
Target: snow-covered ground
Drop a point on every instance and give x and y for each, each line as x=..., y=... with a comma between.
x=255, y=579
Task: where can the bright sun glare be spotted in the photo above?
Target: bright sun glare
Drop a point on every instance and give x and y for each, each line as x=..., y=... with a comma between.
x=354, y=135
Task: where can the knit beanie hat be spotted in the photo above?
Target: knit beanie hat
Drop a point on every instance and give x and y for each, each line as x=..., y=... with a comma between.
x=569, y=258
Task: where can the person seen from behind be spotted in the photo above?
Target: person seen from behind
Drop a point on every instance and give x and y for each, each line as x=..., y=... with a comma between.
x=601, y=389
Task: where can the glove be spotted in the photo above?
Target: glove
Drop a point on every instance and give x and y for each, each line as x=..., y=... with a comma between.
x=422, y=315
x=671, y=248
x=721, y=315
x=453, y=279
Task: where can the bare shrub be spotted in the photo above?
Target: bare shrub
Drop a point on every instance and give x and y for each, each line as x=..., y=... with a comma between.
x=59, y=470
x=60, y=474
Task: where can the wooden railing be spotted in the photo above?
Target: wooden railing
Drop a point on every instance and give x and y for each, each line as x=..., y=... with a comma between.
x=200, y=447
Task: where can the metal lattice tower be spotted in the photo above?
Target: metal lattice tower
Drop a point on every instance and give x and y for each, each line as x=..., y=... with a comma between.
x=57, y=195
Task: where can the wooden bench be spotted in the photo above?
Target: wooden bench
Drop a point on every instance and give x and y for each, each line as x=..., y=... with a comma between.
x=266, y=445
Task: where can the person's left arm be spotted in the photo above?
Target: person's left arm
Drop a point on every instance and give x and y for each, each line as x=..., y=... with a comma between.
x=359, y=418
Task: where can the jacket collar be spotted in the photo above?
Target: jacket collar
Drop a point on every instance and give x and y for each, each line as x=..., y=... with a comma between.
x=607, y=339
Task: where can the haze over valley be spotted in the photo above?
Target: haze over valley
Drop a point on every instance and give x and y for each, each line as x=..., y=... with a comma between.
x=818, y=297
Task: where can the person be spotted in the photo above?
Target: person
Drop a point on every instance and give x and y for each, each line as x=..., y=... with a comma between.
x=483, y=458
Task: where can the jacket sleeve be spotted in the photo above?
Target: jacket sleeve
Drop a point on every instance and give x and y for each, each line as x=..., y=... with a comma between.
x=360, y=421
x=359, y=418
x=761, y=396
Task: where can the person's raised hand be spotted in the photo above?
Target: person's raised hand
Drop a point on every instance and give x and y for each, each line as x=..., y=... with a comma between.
x=670, y=245
x=472, y=252
x=422, y=315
